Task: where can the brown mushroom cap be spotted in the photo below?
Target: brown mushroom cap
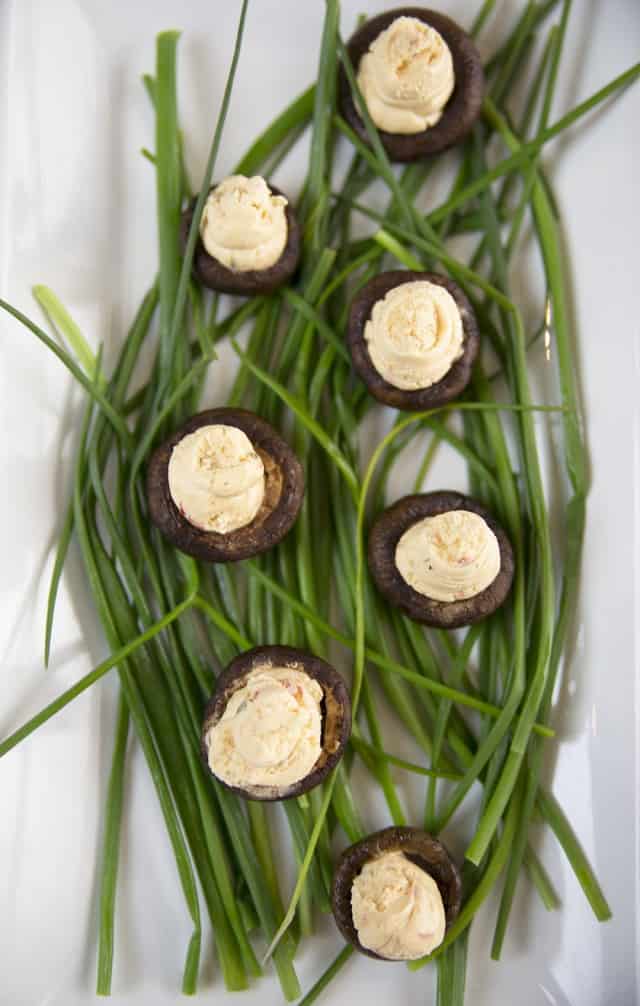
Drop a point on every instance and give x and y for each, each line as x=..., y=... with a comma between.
x=457, y=377
x=462, y=108
x=383, y=539
x=336, y=713
x=250, y=282
x=284, y=489
x=421, y=848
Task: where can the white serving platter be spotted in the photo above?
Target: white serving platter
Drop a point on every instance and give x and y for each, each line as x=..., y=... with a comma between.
x=77, y=213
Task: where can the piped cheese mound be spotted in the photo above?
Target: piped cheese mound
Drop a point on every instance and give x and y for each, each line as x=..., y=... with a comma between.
x=270, y=733
x=415, y=335
x=243, y=225
x=450, y=557
x=406, y=77
x=397, y=908
x=216, y=478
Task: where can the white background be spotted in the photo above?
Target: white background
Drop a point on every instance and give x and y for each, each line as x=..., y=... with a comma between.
x=77, y=213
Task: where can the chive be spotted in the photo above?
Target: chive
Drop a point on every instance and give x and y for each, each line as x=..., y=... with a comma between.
x=295, y=115
x=303, y=414
x=89, y=386
x=167, y=183
x=327, y=976
x=178, y=300
x=381, y=769
x=444, y=709
x=316, y=185
x=504, y=167
x=63, y=323
x=89, y=679
x=361, y=745
x=556, y=817
x=64, y=540
x=317, y=321
x=111, y=848
x=481, y=17
x=452, y=968
x=540, y=878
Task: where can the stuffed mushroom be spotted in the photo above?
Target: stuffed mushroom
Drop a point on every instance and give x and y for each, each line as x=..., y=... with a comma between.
x=225, y=486
x=442, y=558
x=249, y=240
x=421, y=78
x=277, y=723
x=413, y=339
x=395, y=894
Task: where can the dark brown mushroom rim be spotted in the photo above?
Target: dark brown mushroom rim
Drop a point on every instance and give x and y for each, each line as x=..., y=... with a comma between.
x=462, y=108
x=335, y=707
x=284, y=490
x=384, y=537
x=454, y=381
x=418, y=846
x=250, y=282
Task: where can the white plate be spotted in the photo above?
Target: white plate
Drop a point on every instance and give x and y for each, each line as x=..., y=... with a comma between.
x=77, y=213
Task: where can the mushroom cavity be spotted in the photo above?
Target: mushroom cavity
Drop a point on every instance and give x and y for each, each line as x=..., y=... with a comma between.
x=225, y=486
x=407, y=76
x=397, y=908
x=244, y=224
x=276, y=724
x=413, y=338
x=450, y=557
x=216, y=478
x=420, y=77
x=415, y=334
x=395, y=894
x=442, y=558
x=270, y=733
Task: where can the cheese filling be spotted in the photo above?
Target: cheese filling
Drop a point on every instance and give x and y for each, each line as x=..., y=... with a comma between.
x=450, y=557
x=406, y=77
x=397, y=908
x=243, y=225
x=415, y=335
x=216, y=478
x=270, y=733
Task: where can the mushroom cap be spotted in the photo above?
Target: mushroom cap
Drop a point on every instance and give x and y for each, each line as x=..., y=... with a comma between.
x=250, y=282
x=336, y=713
x=421, y=848
x=457, y=377
x=462, y=108
x=383, y=539
x=284, y=490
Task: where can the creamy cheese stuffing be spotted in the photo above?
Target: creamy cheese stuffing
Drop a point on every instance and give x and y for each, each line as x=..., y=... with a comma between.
x=216, y=478
x=397, y=908
x=243, y=225
x=270, y=732
x=450, y=557
x=406, y=77
x=414, y=335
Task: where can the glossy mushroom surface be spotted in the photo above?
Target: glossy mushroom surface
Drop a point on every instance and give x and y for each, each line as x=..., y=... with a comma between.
x=383, y=540
x=249, y=282
x=283, y=492
x=457, y=377
x=420, y=848
x=335, y=710
x=461, y=110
